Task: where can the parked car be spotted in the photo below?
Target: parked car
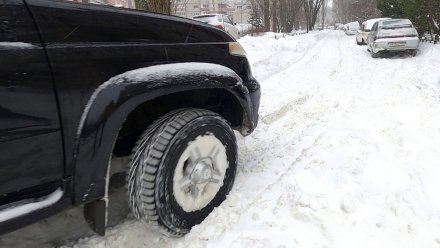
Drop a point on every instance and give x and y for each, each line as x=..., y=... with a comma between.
x=220, y=21
x=362, y=33
x=393, y=35
x=338, y=26
x=84, y=85
x=351, y=28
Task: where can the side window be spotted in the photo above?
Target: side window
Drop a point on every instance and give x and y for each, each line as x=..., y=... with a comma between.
x=374, y=28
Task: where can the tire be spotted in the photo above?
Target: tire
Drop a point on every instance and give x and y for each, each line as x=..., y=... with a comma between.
x=374, y=55
x=358, y=43
x=181, y=168
x=363, y=42
x=413, y=53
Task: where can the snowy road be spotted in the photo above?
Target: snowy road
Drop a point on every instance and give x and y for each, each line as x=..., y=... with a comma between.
x=347, y=153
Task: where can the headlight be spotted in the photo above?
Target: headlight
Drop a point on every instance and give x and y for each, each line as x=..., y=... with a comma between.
x=236, y=49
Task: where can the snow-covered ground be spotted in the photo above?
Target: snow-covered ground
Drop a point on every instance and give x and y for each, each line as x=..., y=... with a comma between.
x=346, y=154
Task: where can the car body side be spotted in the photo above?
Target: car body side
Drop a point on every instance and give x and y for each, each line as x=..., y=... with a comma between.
x=86, y=46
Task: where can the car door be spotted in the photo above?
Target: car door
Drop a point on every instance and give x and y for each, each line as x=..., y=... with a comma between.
x=229, y=27
x=31, y=155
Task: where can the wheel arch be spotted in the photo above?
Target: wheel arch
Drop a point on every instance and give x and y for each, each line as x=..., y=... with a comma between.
x=116, y=103
x=218, y=100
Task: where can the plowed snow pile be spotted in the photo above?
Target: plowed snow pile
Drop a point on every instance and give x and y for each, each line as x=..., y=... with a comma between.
x=347, y=153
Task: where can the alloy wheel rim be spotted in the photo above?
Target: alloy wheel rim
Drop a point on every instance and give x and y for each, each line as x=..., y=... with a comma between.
x=199, y=173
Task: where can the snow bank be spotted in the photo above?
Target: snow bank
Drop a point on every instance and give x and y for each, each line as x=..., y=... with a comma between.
x=269, y=56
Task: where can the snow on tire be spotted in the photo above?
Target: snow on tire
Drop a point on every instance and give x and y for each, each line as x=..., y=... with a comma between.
x=181, y=168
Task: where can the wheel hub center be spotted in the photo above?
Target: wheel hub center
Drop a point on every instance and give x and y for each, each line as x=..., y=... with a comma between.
x=202, y=171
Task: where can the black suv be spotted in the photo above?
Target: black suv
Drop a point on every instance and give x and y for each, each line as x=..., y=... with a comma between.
x=82, y=85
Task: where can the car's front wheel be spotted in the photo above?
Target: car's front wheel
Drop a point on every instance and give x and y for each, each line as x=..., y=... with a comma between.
x=181, y=168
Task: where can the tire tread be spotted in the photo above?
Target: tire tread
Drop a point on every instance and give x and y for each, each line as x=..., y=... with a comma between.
x=151, y=147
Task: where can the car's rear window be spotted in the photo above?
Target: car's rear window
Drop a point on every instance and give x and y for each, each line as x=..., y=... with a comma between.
x=398, y=24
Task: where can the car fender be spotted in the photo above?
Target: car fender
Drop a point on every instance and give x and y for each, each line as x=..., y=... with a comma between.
x=113, y=101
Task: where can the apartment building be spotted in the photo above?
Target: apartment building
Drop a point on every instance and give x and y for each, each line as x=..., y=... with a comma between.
x=242, y=11
x=239, y=11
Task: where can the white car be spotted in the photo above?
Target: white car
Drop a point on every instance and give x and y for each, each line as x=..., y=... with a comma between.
x=351, y=28
x=393, y=35
x=220, y=21
x=362, y=34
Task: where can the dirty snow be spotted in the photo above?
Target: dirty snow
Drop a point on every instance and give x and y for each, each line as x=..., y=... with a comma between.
x=346, y=153
x=13, y=212
x=19, y=45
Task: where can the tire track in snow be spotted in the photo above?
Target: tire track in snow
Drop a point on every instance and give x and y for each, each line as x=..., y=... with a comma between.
x=304, y=52
x=303, y=71
x=342, y=91
x=314, y=113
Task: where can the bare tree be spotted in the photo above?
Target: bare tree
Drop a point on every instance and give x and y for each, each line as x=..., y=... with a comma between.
x=277, y=15
x=355, y=10
x=266, y=15
x=323, y=12
x=311, y=9
x=255, y=18
x=158, y=6
x=433, y=15
x=288, y=14
x=274, y=15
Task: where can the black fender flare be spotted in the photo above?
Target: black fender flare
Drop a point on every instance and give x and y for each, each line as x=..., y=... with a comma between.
x=112, y=102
